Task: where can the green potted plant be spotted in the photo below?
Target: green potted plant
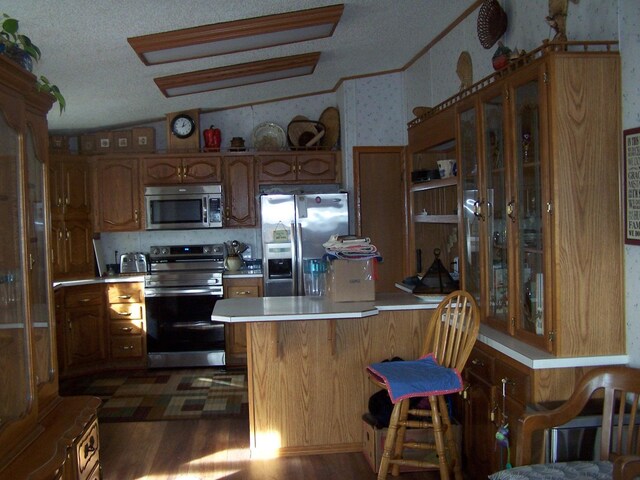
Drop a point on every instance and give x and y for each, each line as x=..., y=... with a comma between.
x=23, y=51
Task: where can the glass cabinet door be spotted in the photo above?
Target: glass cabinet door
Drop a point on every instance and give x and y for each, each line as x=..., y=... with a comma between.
x=528, y=213
x=16, y=392
x=471, y=202
x=39, y=301
x=495, y=180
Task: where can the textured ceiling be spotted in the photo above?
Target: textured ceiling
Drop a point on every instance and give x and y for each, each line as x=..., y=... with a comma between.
x=85, y=51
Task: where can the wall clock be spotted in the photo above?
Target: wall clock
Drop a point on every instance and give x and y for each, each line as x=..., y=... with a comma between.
x=183, y=131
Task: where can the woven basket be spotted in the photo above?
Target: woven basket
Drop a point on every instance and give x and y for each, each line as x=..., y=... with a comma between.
x=492, y=23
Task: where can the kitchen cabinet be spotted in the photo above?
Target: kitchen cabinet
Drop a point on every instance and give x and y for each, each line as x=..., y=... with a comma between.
x=37, y=426
x=539, y=159
x=193, y=169
x=235, y=333
x=127, y=328
x=433, y=204
x=297, y=167
x=118, y=194
x=71, y=226
x=239, y=191
x=81, y=327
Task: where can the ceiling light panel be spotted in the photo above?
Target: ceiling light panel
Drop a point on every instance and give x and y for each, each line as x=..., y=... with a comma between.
x=237, y=36
x=238, y=75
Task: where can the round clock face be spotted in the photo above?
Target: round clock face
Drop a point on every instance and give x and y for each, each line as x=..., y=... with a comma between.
x=183, y=126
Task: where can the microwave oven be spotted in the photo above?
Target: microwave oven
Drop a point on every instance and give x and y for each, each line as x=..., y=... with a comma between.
x=183, y=207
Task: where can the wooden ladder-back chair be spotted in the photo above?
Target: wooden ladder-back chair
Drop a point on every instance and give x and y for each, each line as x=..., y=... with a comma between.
x=618, y=389
x=450, y=336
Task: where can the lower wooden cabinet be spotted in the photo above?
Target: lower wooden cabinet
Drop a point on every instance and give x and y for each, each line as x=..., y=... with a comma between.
x=127, y=327
x=235, y=334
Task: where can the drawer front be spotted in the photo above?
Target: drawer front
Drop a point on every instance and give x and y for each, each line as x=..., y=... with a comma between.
x=122, y=327
x=120, y=311
x=480, y=364
x=125, y=293
x=81, y=297
x=517, y=382
x=126, y=347
x=88, y=451
x=242, y=291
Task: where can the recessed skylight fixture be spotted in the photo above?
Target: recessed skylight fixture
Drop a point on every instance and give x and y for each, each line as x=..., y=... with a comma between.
x=237, y=75
x=237, y=36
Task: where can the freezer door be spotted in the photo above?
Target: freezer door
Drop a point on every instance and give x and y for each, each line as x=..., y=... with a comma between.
x=278, y=245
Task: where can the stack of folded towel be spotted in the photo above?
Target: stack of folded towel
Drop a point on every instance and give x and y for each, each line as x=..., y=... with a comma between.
x=349, y=247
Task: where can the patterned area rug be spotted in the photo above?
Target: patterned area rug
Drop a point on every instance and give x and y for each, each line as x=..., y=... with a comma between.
x=167, y=394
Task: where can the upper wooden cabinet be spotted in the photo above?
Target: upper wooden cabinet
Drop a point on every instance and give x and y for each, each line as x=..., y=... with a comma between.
x=239, y=190
x=539, y=156
x=296, y=167
x=171, y=169
x=69, y=187
x=118, y=194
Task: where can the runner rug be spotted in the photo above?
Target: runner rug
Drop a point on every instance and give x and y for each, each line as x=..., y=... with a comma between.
x=155, y=395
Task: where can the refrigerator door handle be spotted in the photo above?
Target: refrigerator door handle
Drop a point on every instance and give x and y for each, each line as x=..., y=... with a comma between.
x=297, y=270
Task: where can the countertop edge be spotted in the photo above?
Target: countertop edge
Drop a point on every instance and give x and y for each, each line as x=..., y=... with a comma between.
x=98, y=280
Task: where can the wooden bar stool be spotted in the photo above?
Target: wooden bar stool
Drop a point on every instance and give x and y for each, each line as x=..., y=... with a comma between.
x=450, y=337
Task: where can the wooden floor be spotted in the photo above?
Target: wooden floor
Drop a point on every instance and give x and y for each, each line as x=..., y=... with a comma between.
x=215, y=450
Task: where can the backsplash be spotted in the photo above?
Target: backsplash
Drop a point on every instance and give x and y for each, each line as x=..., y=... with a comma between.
x=124, y=242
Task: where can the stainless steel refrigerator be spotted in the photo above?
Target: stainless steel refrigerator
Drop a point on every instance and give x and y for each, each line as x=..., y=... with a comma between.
x=294, y=227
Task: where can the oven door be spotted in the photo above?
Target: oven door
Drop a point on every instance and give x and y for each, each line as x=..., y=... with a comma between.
x=179, y=322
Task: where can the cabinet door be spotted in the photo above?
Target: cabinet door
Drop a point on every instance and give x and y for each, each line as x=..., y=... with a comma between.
x=480, y=428
x=473, y=203
x=84, y=336
x=79, y=247
x=316, y=167
x=201, y=170
x=528, y=255
x=118, y=195
x=276, y=168
x=161, y=171
x=239, y=192
x=77, y=189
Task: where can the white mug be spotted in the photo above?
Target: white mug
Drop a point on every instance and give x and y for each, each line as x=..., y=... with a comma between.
x=446, y=168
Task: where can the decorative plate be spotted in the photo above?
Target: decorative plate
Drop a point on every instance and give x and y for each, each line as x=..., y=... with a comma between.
x=269, y=136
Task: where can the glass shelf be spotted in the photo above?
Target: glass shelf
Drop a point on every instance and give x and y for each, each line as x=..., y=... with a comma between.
x=422, y=218
x=431, y=184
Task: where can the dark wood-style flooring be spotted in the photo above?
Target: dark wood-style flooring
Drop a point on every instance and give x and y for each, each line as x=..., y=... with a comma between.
x=215, y=450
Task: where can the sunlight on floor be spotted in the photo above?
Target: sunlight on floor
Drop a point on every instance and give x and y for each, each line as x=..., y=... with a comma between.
x=267, y=445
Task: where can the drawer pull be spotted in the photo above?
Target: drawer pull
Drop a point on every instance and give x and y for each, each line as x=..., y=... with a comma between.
x=124, y=297
x=89, y=447
x=126, y=329
x=243, y=292
x=84, y=300
x=124, y=314
x=127, y=347
x=477, y=362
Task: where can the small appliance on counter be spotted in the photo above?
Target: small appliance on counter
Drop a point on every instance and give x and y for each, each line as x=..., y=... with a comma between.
x=133, y=263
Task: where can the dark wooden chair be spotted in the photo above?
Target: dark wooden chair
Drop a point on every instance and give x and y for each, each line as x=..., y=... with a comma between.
x=619, y=389
x=450, y=337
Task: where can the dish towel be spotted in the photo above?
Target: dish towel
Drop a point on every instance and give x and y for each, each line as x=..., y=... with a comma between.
x=416, y=378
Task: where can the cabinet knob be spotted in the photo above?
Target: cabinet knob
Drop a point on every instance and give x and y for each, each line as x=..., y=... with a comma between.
x=511, y=210
x=67, y=201
x=477, y=362
x=135, y=215
x=477, y=209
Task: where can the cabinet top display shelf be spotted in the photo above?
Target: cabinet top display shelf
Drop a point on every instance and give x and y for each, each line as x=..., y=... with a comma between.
x=592, y=47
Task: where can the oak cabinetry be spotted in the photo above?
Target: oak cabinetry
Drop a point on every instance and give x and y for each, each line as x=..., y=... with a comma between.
x=310, y=167
x=235, y=333
x=37, y=426
x=127, y=328
x=82, y=329
x=118, y=197
x=539, y=156
x=168, y=170
x=71, y=226
x=239, y=190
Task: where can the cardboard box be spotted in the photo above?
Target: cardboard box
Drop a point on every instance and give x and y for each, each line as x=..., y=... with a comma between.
x=352, y=280
x=373, y=445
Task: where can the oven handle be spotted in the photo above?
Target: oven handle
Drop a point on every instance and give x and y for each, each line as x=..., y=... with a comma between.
x=196, y=326
x=181, y=291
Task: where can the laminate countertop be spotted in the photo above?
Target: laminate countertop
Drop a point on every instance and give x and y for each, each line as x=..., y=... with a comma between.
x=278, y=309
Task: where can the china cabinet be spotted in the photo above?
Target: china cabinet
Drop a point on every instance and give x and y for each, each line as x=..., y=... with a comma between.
x=122, y=212
x=539, y=166
x=37, y=427
x=168, y=169
x=239, y=191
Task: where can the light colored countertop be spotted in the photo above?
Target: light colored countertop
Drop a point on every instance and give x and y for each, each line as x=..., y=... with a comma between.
x=278, y=309
x=92, y=280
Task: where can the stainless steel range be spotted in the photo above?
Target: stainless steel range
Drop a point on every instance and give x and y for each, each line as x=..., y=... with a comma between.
x=182, y=286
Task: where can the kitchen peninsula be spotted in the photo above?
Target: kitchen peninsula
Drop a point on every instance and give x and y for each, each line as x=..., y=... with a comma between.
x=306, y=359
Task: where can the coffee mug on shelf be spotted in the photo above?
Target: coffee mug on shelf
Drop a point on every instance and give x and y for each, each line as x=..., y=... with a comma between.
x=447, y=168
